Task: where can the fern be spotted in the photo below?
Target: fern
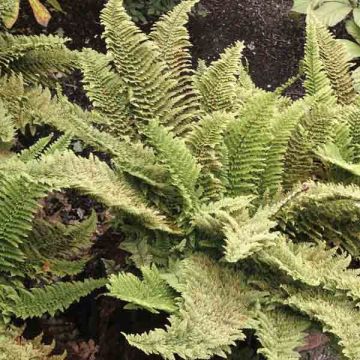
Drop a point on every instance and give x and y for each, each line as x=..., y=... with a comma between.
x=31, y=303
x=214, y=312
x=316, y=83
x=247, y=140
x=152, y=293
x=280, y=333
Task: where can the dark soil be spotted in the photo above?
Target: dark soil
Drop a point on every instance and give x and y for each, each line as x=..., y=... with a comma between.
x=274, y=46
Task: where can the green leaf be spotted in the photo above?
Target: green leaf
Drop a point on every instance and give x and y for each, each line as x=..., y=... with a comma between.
x=56, y=5
x=352, y=48
x=301, y=6
x=356, y=14
x=331, y=13
x=353, y=30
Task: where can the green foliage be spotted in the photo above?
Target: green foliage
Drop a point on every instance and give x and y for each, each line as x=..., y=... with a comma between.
x=212, y=184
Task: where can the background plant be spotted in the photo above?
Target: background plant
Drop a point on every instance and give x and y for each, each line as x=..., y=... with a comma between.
x=9, y=11
x=142, y=10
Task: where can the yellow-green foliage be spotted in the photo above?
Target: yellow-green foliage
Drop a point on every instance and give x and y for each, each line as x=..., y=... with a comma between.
x=13, y=346
x=240, y=206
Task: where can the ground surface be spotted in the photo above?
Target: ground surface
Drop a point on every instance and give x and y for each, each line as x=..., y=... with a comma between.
x=274, y=46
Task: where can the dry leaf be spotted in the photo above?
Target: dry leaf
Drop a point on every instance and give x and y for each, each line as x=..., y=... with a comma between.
x=41, y=13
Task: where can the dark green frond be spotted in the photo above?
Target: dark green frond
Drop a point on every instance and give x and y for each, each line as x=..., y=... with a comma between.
x=248, y=141
x=52, y=298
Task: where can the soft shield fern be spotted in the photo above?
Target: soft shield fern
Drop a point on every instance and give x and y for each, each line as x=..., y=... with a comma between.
x=233, y=201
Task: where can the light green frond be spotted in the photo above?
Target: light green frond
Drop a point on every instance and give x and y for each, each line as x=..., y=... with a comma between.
x=338, y=315
x=139, y=64
x=51, y=298
x=217, y=83
x=248, y=140
x=95, y=178
x=324, y=212
x=176, y=156
x=206, y=143
x=151, y=293
x=314, y=265
x=211, y=217
x=172, y=38
x=317, y=83
x=335, y=60
x=243, y=239
x=35, y=151
x=280, y=332
x=214, y=311
x=60, y=145
x=354, y=123
x=107, y=92
x=330, y=154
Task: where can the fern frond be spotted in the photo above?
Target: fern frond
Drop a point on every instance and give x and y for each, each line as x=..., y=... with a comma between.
x=44, y=65
x=19, y=197
x=58, y=241
x=314, y=129
x=243, y=239
x=335, y=60
x=338, y=315
x=181, y=164
x=280, y=332
x=324, y=212
x=172, y=38
x=152, y=293
x=35, y=151
x=282, y=129
x=214, y=311
x=317, y=83
x=314, y=265
x=217, y=83
x=52, y=298
x=138, y=62
x=211, y=217
x=206, y=143
x=36, y=57
x=108, y=93
x=95, y=178
x=60, y=145
x=248, y=140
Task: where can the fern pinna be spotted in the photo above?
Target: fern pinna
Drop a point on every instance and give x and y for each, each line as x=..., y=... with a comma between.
x=239, y=206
